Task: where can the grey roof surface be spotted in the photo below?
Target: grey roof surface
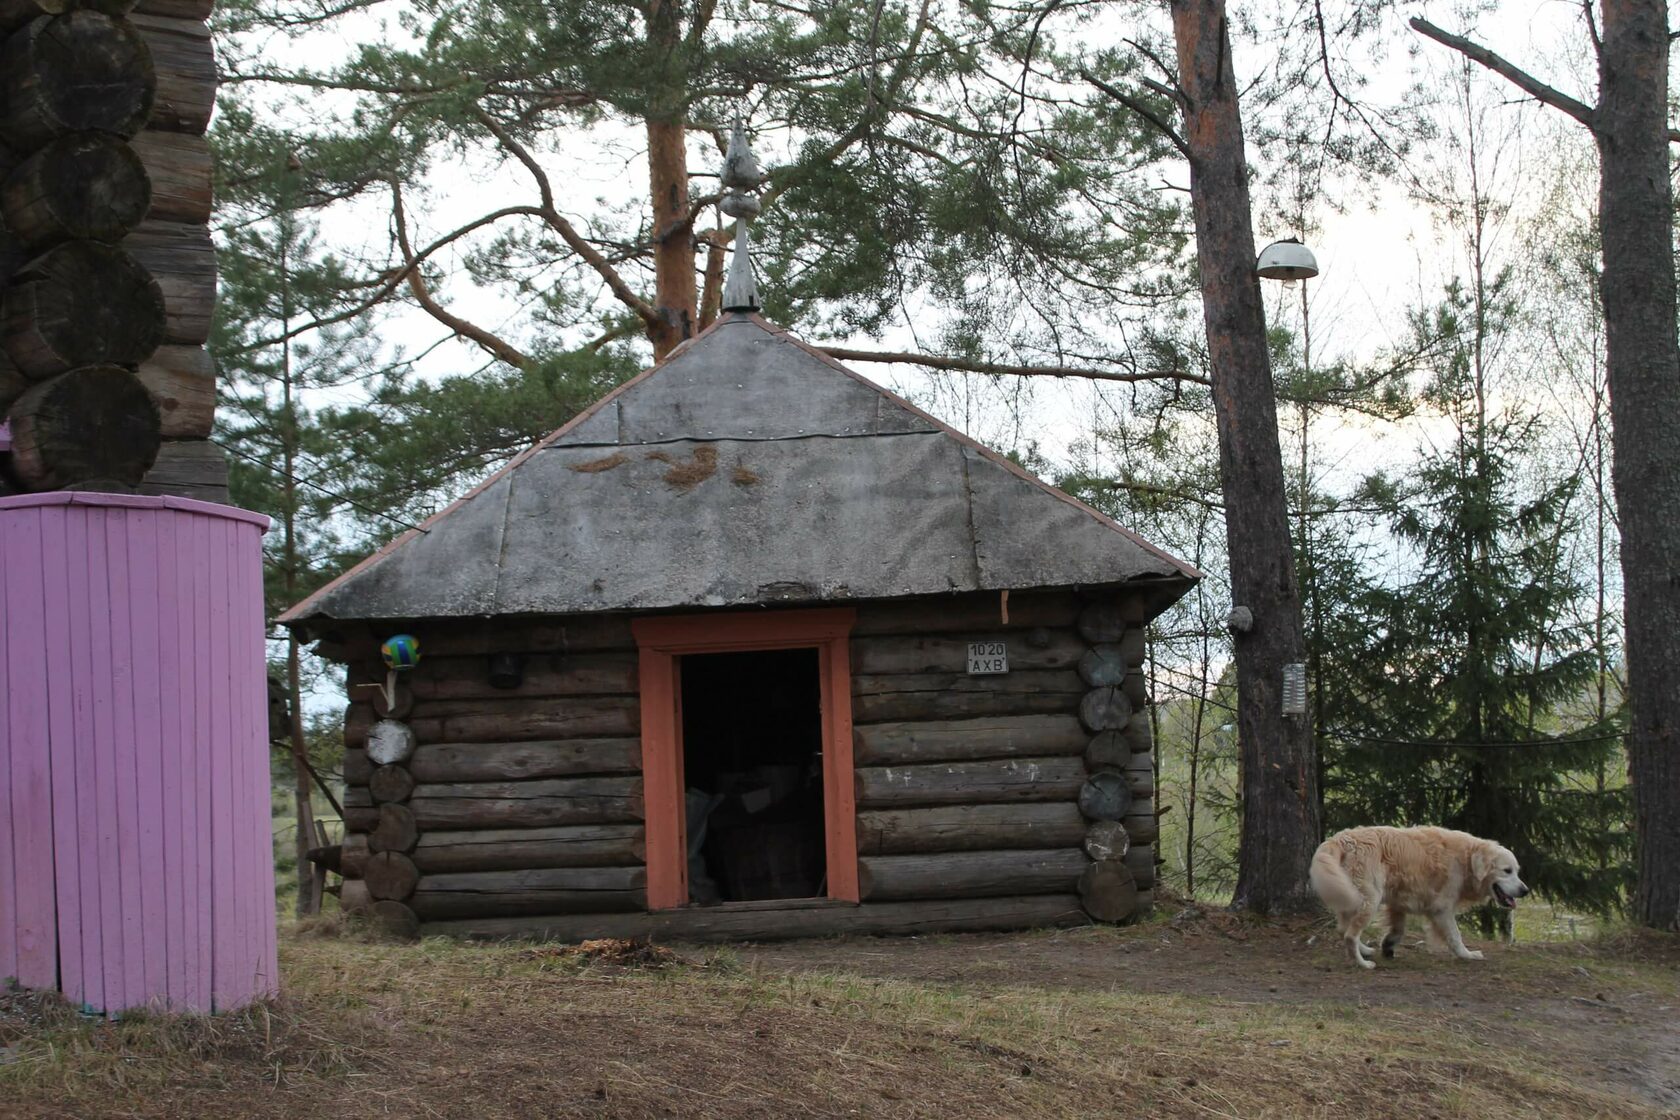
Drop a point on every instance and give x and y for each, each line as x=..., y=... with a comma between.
x=746, y=468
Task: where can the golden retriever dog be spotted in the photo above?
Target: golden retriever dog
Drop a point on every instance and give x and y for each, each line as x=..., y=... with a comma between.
x=1434, y=872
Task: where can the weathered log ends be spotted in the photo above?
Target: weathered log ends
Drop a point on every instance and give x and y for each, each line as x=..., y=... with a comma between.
x=1114, y=711
x=94, y=425
x=78, y=72
x=84, y=186
x=80, y=303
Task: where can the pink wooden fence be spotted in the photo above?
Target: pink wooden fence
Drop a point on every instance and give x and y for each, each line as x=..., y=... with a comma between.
x=135, y=851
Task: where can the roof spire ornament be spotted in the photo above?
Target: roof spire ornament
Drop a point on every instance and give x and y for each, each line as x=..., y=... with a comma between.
x=741, y=178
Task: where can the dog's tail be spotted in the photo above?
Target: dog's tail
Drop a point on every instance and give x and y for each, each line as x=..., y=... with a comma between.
x=1331, y=881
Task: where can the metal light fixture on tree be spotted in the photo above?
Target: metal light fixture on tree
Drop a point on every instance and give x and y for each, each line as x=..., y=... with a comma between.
x=1287, y=260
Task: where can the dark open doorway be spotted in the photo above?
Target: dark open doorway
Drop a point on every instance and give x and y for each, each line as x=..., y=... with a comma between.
x=752, y=765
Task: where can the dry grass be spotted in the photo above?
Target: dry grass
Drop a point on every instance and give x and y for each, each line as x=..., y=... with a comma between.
x=605, y=463
x=1046, y=1025
x=687, y=474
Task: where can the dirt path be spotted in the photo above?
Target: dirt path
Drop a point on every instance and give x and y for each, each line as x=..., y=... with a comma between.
x=1604, y=1020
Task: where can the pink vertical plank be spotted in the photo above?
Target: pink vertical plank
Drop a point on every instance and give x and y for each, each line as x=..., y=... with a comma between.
x=223, y=840
x=120, y=648
x=90, y=826
x=141, y=529
x=204, y=902
x=256, y=624
x=11, y=913
x=247, y=744
x=169, y=732
x=105, y=821
x=31, y=766
x=61, y=715
x=235, y=890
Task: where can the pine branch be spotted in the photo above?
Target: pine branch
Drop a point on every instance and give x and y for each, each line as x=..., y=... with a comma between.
x=1141, y=110
x=964, y=365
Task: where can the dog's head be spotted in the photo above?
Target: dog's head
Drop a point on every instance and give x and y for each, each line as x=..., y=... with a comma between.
x=1493, y=869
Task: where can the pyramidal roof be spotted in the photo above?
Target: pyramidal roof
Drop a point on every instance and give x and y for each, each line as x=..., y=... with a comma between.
x=746, y=468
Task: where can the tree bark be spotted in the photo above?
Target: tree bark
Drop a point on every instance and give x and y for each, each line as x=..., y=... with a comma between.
x=673, y=232
x=1642, y=359
x=1280, y=825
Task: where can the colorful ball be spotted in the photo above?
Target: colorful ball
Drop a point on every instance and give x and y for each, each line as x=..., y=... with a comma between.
x=401, y=651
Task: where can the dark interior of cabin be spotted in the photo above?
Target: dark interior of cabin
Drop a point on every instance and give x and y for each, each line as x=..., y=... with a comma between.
x=752, y=763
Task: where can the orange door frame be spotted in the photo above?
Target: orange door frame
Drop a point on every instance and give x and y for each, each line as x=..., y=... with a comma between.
x=660, y=641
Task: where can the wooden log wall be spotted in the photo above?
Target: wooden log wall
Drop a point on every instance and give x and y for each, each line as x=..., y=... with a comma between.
x=107, y=273
x=473, y=808
x=465, y=800
x=971, y=785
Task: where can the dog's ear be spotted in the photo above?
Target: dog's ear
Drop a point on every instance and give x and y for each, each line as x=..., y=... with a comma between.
x=1481, y=863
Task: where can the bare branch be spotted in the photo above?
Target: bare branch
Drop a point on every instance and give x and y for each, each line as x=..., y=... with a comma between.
x=497, y=347
x=1524, y=81
x=568, y=233
x=963, y=365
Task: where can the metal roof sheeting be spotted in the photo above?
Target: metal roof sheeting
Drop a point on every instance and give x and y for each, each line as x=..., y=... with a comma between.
x=746, y=468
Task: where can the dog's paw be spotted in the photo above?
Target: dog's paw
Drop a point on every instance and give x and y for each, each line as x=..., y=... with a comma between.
x=1473, y=955
x=1363, y=963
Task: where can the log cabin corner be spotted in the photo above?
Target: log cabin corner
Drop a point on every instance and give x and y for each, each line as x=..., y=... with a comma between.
x=752, y=648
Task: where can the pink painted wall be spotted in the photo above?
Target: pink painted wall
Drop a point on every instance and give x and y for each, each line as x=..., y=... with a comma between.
x=136, y=861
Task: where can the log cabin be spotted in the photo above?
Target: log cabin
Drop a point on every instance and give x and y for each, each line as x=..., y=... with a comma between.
x=750, y=648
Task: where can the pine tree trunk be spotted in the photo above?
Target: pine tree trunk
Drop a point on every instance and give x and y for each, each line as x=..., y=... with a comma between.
x=1643, y=363
x=673, y=235
x=1279, y=802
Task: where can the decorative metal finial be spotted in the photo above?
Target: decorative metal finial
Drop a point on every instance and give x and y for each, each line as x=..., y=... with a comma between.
x=741, y=178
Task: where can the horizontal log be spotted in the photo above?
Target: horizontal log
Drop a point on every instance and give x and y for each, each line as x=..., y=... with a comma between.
x=1108, y=750
x=543, y=675
x=185, y=64
x=969, y=874
x=182, y=259
x=1035, y=649
x=568, y=890
x=79, y=72
x=1108, y=891
x=357, y=767
x=1140, y=861
x=1140, y=775
x=553, y=758
x=986, y=737
x=353, y=855
x=390, y=783
x=1134, y=646
x=393, y=919
x=90, y=426
x=1105, y=796
x=397, y=830
x=446, y=638
x=1106, y=840
x=1143, y=827
x=539, y=804
x=970, y=783
x=507, y=849
x=390, y=875
x=769, y=923
x=962, y=828
x=474, y=721
x=390, y=741
x=1136, y=688
x=182, y=382
x=84, y=186
x=979, y=611
x=189, y=468
x=1103, y=621
x=360, y=818
x=177, y=9
x=1105, y=709
x=83, y=303
x=354, y=896
x=937, y=696
x=12, y=383
x=179, y=168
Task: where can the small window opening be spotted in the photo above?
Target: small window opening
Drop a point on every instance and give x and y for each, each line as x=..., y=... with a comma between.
x=753, y=767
